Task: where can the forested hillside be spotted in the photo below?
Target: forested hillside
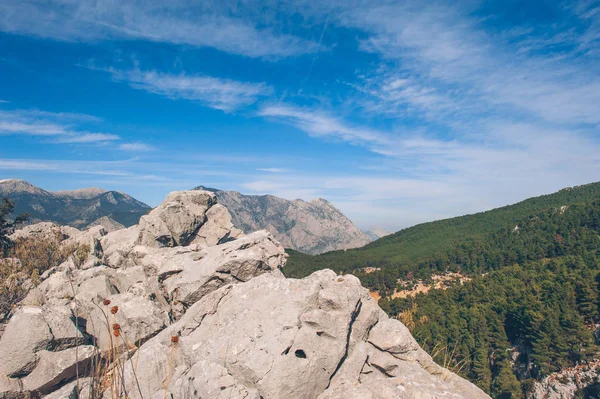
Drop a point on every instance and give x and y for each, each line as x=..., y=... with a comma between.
x=531, y=305
x=511, y=326
x=472, y=244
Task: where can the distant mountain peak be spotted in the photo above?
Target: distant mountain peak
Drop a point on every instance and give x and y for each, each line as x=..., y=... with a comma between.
x=81, y=193
x=78, y=208
x=312, y=227
x=8, y=186
x=204, y=188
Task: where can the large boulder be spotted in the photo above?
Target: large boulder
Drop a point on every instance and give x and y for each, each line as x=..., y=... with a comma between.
x=54, y=368
x=183, y=218
x=186, y=217
x=26, y=333
x=273, y=337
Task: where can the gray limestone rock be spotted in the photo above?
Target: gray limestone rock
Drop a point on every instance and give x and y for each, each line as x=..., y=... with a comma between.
x=54, y=368
x=285, y=338
x=26, y=333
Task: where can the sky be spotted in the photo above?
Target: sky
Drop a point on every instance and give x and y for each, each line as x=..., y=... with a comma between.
x=398, y=112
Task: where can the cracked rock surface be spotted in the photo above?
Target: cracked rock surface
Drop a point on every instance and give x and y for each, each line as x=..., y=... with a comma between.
x=271, y=337
x=204, y=312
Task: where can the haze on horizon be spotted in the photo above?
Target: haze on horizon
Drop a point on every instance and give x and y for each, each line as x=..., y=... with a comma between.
x=396, y=112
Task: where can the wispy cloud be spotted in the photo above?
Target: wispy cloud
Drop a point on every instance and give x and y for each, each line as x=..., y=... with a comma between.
x=200, y=24
x=136, y=147
x=34, y=128
x=224, y=94
x=4, y=102
x=272, y=170
x=87, y=138
x=58, y=128
x=319, y=124
x=439, y=61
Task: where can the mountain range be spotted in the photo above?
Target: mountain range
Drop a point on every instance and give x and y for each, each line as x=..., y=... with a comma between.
x=78, y=208
x=310, y=227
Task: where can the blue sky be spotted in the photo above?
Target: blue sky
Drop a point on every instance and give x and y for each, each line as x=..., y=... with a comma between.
x=397, y=112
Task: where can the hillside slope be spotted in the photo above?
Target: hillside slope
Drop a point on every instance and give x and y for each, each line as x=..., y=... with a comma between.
x=531, y=307
x=311, y=227
x=78, y=208
x=416, y=247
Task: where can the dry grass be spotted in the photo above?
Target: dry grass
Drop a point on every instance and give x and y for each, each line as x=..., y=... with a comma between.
x=42, y=254
x=31, y=257
x=446, y=357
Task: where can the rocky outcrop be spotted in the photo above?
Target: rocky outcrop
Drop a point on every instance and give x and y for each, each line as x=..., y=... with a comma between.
x=107, y=224
x=184, y=305
x=187, y=217
x=77, y=208
x=320, y=337
x=311, y=227
x=583, y=379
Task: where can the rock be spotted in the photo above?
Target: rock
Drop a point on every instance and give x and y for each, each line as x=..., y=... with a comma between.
x=138, y=317
x=107, y=223
x=54, y=368
x=273, y=337
x=232, y=262
x=183, y=218
x=10, y=388
x=176, y=220
x=117, y=245
x=90, y=238
x=568, y=383
x=44, y=230
x=61, y=321
x=26, y=333
x=74, y=389
x=392, y=337
x=217, y=228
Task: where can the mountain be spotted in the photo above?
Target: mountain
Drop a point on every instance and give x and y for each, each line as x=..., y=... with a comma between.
x=77, y=208
x=376, y=233
x=310, y=227
x=145, y=315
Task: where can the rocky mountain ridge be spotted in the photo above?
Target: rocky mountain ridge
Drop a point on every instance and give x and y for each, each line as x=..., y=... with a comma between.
x=184, y=305
x=311, y=227
x=78, y=208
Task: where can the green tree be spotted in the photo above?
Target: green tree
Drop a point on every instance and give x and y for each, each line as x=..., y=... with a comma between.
x=506, y=385
x=6, y=226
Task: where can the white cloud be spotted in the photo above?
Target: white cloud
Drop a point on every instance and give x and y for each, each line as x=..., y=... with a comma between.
x=272, y=170
x=224, y=94
x=201, y=24
x=135, y=147
x=319, y=124
x=441, y=63
x=60, y=128
x=87, y=138
x=8, y=126
x=4, y=102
